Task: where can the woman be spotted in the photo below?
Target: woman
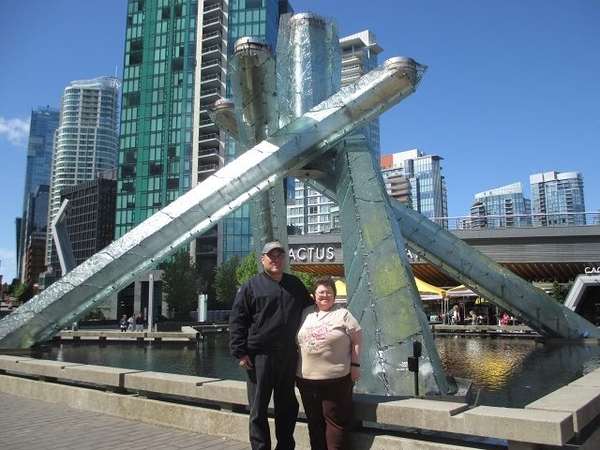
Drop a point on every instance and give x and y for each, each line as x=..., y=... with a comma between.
x=329, y=340
x=123, y=323
x=455, y=316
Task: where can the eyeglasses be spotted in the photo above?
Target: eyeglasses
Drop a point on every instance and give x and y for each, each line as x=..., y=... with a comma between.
x=275, y=255
x=324, y=293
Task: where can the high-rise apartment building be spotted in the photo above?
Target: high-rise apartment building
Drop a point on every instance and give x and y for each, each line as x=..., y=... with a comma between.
x=416, y=179
x=310, y=211
x=224, y=22
x=43, y=125
x=155, y=147
x=91, y=219
x=557, y=199
x=34, y=228
x=505, y=206
x=175, y=66
x=86, y=141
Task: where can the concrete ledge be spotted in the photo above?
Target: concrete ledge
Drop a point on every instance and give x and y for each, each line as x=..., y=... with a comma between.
x=9, y=362
x=543, y=427
x=411, y=413
x=581, y=402
x=590, y=379
x=199, y=420
x=232, y=392
x=111, y=378
x=36, y=367
x=226, y=391
x=158, y=383
x=553, y=420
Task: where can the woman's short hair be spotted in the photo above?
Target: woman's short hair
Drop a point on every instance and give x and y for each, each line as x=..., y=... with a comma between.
x=324, y=281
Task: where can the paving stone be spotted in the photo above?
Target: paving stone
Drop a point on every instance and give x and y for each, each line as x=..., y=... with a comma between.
x=34, y=425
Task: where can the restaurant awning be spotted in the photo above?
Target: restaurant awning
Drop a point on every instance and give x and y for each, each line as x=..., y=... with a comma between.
x=426, y=290
x=460, y=291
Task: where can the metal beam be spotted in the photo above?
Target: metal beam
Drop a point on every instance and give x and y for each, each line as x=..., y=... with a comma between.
x=252, y=173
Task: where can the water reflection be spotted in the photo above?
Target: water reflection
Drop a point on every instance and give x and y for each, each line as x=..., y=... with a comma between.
x=511, y=372
x=210, y=359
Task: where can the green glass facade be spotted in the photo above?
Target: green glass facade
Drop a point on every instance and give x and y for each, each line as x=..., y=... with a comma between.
x=157, y=108
x=175, y=66
x=257, y=18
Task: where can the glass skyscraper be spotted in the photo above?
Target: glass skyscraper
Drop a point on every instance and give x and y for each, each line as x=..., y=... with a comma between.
x=155, y=148
x=424, y=188
x=86, y=140
x=557, y=198
x=505, y=206
x=43, y=125
x=175, y=67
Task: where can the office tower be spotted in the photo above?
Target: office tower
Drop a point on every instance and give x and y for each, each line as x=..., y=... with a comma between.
x=557, y=199
x=34, y=257
x=156, y=117
x=222, y=25
x=310, y=211
x=416, y=179
x=175, y=66
x=86, y=141
x=505, y=206
x=34, y=228
x=91, y=218
x=43, y=124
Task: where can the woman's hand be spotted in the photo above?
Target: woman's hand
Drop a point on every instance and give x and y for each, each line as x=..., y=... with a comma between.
x=354, y=373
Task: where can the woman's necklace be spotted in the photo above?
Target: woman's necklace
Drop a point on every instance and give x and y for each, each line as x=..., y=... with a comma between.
x=320, y=313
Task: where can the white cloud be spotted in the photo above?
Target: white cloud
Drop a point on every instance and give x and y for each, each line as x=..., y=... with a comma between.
x=16, y=131
x=7, y=264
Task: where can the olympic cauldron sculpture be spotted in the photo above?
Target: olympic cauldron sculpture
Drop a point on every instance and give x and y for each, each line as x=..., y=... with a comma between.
x=290, y=118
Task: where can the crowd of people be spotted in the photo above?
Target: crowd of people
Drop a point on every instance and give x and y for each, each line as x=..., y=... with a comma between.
x=501, y=318
x=131, y=323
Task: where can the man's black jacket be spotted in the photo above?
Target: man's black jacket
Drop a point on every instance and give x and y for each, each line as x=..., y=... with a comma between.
x=265, y=315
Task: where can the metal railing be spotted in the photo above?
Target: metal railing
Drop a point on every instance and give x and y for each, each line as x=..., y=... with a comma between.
x=555, y=219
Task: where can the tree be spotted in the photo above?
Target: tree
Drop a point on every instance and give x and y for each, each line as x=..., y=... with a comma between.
x=247, y=268
x=558, y=292
x=181, y=284
x=226, y=284
x=308, y=279
x=23, y=292
x=95, y=314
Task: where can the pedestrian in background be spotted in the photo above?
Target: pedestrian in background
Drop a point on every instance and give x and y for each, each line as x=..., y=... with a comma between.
x=455, y=316
x=139, y=323
x=262, y=327
x=130, y=323
x=329, y=340
x=123, y=323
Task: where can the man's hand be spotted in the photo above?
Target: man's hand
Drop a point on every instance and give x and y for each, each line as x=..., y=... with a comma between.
x=245, y=363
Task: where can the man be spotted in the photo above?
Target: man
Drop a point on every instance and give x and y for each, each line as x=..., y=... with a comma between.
x=262, y=335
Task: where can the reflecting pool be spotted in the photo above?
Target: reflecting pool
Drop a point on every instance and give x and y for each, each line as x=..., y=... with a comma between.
x=508, y=371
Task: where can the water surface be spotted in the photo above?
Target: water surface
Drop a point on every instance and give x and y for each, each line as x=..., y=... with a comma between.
x=509, y=372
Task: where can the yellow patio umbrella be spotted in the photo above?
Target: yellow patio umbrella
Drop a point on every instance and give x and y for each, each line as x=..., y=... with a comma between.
x=428, y=291
x=460, y=291
x=340, y=287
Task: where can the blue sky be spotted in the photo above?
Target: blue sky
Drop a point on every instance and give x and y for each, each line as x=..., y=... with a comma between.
x=512, y=86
